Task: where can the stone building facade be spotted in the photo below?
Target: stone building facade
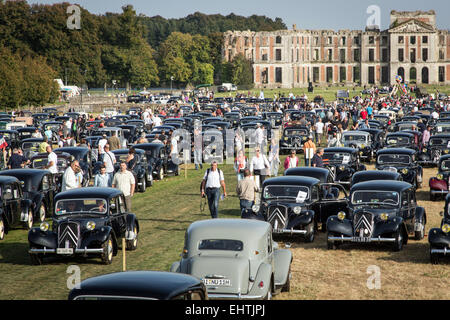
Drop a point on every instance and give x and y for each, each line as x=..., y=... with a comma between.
x=412, y=47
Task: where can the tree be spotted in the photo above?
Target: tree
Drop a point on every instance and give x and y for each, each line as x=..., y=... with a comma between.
x=241, y=70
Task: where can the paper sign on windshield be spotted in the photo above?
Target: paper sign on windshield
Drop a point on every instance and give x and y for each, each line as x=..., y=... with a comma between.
x=448, y=144
x=301, y=197
x=346, y=159
x=439, y=129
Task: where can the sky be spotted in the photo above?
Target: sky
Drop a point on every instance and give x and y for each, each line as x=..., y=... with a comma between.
x=312, y=14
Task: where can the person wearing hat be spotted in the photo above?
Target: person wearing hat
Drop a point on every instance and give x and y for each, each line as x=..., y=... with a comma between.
x=309, y=149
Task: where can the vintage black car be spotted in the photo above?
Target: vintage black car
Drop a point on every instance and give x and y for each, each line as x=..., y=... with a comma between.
x=86, y=221
x=276, y=118
x=297, y=205
x=233, y=118
x=438, y=145
x=377, y=137
x=439, y=184
x=11, y=137
x=141, y=170
x=26, y=133
x=322, y=174
x=130, y=132
x=439, y=238
x=157, y=158
x=54, y=127
x=400, y=140
x=38, y=187
x=383, y=211
x=141, y=285
x=40, y=160
x=84, y=157
x=293, y=138
x=39, y=118
x=30, y=146
x=343, y=163
x=15, y=211
x=403, y=161
x=53, y=112
x=369, y=175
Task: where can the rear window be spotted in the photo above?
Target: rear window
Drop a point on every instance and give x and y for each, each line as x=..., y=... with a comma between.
x=221, y=244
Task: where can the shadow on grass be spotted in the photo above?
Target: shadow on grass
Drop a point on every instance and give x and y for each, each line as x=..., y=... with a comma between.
x=236, y=213
x=14, y=253
x=423, y=195
x=165, y=220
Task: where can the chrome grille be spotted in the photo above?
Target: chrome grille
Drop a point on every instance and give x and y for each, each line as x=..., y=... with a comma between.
x=363, y=224
x=277, y=217
x=68, y=235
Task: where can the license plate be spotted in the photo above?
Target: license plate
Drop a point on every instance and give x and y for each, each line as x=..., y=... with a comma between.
x=64, y=250
x=360, y=239
x=217, y=282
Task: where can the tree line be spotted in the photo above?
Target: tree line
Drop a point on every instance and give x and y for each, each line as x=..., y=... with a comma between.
x=135, y=50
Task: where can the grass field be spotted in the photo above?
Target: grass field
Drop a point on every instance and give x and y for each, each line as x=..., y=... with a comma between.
x=170, y=206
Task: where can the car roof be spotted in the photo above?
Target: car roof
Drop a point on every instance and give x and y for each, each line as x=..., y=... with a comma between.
x=340, y=149
x=382, y=185
x=318, y=173
x=291, y=180
x=379, y=174
x=89, y=193
x=8, y=179
x=24, y=172
x=122, y=151
x=363, y=133
x=441, y=135
x=146, y=284
x=400, y=133
x=396, y=150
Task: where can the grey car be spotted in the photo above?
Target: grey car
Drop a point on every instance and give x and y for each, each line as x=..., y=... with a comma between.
x=236, y=259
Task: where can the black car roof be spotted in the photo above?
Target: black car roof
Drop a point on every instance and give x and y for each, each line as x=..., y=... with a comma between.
x=376, y=175
x=400, y=133
x=8, y=179
x=291, y=180
x=318, y=173
x=147, y=284
x=123, y=151
x=147, y=146
x=382, y=185
x=396, y=150
x=23, y=172
x=340, y=149
x=444, y=157
x=88, y=193
x=441, y=135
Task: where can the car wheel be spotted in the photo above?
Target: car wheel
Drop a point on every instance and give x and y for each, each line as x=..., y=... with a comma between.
x=150, y=180
x=2, y=229
x=42, y=213
x=309, y=237
x=434, y=257
x=331, y=245
x=30, y=220
x=36, y=259
x=432, y=197
x=419, y=235
x=132, y=244
x=160, y=174
x=143, y=185
x=107, y=254
x=398, y=243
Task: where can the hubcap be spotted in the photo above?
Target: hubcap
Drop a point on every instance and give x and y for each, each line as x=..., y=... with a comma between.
x=30, y=219
x=135, y=237
x=110, y=250
x=2, y=230
x=42, y=214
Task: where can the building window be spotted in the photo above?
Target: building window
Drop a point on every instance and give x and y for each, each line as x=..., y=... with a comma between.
x=441, y=54
x=316, y=54
x=413, y=74
x=342, y=74
x=330, y=40
x=356, y=74
x=343, y=41
x=400, y=55
x=298, y=74
x=278, y=54
x=356, y=41
x=401, y=39
x=384, y=40
x=371, y=55
x=315, y=74
x=384, y=55
x=330, y=54
x=316, y=41
x=413, y=39
x=401, y=73
x=425, y=79
x=412, y=55
x=384, y=74
x=265, y=75
x=441, y=40
x=278, y=75
x=329, y=74
x=278, y=39
x=356, y=55
x=264, y=56
x=342, y=55
x=371, y=75
x=424, y=54
x=371, y=40
x=424, y=39
x=297, y=54
x=441, y=74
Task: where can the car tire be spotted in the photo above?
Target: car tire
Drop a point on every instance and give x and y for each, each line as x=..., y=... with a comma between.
x=419, y=235
x=434, y=257
x=36, y=259
x=160, y=175
x=42, y=213
x=29, y=223
x=2, y=229
x=143, y=185
x=150, y=181
x=331, y=245
x=398, y=244
x=108, y=249
x=309, y=237
x=132, y=244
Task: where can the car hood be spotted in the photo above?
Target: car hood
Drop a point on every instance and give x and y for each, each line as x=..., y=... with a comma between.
x=216, y=267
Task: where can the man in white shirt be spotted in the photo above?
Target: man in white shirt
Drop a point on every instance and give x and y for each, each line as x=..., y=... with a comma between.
x=125, y=182
x=212, y=181
x=259, y=136
x=109, y=159
x=156, y=121
x=319, y=130
x=259, y=166
x=52, y=161
x=101, y=145
x=72, y=177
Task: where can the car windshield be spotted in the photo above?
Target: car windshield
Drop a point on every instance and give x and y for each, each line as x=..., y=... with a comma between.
x=40, y=163
x=443, y=128
x=406, y=126
x=445, y=165
x=440, y=142
x=121, y=157
x=299, y=193
x=397, y=140
x=337, y=157
x=70, y=206
x=356, y=138
x=394, y=158
x=375, y=197
x=53, y=127
x=221, y=244
x=296, y=132
x=33, y=146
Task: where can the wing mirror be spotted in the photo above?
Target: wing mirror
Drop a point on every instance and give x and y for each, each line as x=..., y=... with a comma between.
x=441, y=213
x=113, y=206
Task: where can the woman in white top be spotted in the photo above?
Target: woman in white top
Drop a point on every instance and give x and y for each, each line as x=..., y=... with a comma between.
x=259, y=166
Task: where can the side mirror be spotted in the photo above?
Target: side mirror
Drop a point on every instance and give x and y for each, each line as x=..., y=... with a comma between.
x=113, y=206
x=441, y=213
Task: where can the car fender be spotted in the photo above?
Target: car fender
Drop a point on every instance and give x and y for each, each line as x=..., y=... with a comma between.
x=342, y=227
x=436, y=184
x=37, y=237
x=131, y=221
x=282, y=262
x=37, y=201
x=5, y=220
x=26, y=203
x=97, y=237
x=437, y=237
x=420, y=215
x=263, y=274
x=175, y=267
x=301, y=220
x=390, y=226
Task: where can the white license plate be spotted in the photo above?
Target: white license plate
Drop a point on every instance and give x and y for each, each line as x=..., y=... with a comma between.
x=360, y=239
x=217, y=282
x=64, y=250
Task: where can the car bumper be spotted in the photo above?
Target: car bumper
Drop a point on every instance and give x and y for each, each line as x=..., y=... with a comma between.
x=220, y=296
x=438, y=191
x=289, y=231
x=76, y=251
x=444, y=251
x=361, y=240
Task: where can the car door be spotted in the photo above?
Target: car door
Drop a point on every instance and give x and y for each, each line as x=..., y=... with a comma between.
x=118, y=215
x=333, y=199
x=15, y=202
x=410, y=212
x=48, y=189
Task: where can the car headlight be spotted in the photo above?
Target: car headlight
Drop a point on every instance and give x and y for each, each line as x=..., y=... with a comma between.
x=446, y=151
x=341, y=215
x=363, y=146
x=440, y=177
x=342, y=168
x=404, y=171
x=446, y=228
x=255, y=208
x=44, y=226
x=384, y=216
x=90, y=225
x=297, y=210
x=424, y=150
x=304, y=138
x=285, y=138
